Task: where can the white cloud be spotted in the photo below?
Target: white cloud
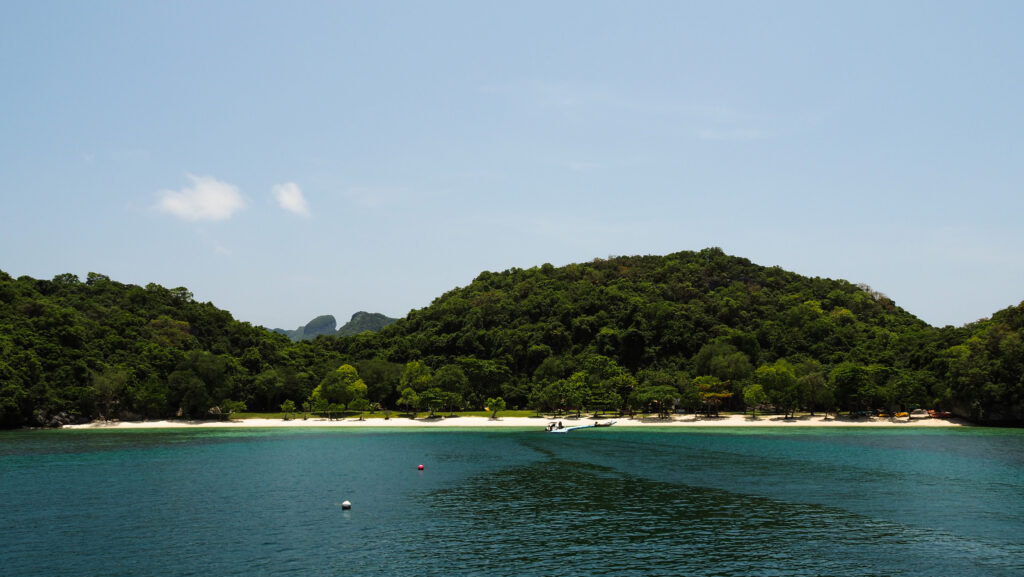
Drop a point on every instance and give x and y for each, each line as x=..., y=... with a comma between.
x=289, y=196
x=207, y=199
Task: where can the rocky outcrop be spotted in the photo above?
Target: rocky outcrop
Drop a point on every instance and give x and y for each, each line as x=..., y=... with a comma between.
x=57, y=420
x=327, y=325
x=364, y=321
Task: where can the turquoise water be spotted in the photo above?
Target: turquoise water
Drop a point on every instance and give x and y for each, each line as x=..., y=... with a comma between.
x=512, y=502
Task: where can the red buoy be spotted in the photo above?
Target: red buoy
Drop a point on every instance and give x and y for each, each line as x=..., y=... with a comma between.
x=420, y=467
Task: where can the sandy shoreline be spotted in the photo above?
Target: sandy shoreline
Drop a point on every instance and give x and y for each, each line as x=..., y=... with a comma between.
x=532, y=422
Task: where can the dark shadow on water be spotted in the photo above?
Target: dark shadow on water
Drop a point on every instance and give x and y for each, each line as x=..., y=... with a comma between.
x=561, y=516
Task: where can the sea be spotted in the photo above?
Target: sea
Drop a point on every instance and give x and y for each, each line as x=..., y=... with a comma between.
x=615, y=501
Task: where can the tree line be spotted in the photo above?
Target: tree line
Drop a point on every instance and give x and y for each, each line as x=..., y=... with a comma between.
x=698, y=331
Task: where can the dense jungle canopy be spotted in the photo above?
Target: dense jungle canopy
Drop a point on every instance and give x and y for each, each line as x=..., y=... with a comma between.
x=691, y=330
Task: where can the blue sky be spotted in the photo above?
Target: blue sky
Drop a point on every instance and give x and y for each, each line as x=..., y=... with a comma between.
x=285, y=160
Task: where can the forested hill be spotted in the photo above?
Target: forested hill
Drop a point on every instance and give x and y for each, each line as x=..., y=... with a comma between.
x=691, y=330
x=705, y=315
x=77, y=350
x=654, y=311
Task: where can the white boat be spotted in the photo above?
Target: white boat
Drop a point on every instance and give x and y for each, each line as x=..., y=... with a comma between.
x=557, y=427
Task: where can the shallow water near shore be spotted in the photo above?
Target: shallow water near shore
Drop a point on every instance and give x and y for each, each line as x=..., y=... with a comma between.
x=615, y=501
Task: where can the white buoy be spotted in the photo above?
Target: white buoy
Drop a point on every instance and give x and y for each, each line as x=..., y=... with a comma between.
x=346, y=505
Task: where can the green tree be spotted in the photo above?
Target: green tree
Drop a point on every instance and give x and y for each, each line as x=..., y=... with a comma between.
x=826, y=398
x=607, y=383
x=894, y=389
x=202, y=377
x=550, y=370
x=487, y=376
x=662, y=398
x=109, y=384
x=495, y=405
x=382, y=379
x=227, y=407
x=819, y=395
x=547, y=396
x=722, y=360
x=733, y=366
x=320, y=406
x=341, y=386
x=713, y=392
x=409, y=400
x=252, y=360
x=849, y=381
x=754, y=396
x=575, y=391
x=416, y=376
x=265, y=389
x=14, y=399
x=602, y=396
x=359, y=404
x=431, y=400
x=449, y=400
x=781, y=385
x=335, y=409
x=149, y=398
x=288, y=407
x=190, y=390
x=452, y=379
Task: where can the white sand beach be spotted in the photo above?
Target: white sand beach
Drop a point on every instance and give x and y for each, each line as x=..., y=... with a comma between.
x=537, y=422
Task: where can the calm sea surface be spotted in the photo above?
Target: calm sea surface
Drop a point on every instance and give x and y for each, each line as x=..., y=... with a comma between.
x=512, y=502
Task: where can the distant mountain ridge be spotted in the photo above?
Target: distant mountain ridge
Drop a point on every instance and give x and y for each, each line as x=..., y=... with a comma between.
x=327, y=325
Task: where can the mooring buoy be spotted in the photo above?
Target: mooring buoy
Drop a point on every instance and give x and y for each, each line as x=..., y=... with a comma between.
x=346, y=505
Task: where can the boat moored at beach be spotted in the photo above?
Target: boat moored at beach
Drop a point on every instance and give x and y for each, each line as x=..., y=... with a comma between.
x=558, y=427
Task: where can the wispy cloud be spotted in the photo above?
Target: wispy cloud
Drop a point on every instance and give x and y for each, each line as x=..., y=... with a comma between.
x=290, y=197
x=207, y=199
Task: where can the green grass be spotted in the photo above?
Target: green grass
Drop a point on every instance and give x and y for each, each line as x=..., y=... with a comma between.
x=297, y=416
x=380, y=415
